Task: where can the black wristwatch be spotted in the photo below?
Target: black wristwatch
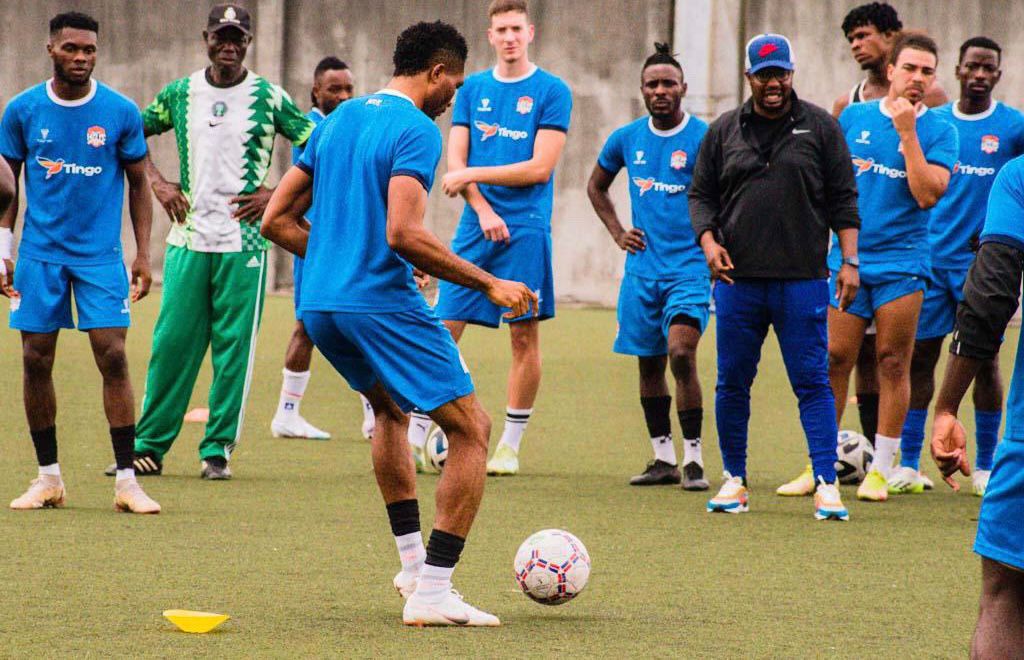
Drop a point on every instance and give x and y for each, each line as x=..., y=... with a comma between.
x=851, y=261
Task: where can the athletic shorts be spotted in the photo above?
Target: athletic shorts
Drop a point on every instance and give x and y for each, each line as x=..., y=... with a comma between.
x=647, y=307
x=938, y=313
x=1000, y=531
x=874, y=293
x=297, y=263
x=410, y=353
x=526, y=258
x=100, y=292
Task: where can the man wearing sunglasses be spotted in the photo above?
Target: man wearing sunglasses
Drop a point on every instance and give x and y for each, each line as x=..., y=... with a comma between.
x=772, y=179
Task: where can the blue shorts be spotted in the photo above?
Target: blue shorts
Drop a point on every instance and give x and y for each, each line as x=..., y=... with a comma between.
x=526, y=259
x=877, y=291
x=938, y=313
x=100, y=291
x=297, y=263
x=411, y=353
x=1000, y=532
x=646, y=309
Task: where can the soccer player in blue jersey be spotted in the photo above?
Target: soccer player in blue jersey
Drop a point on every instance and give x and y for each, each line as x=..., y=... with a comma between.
x=332, y=85
x=991, y=134
x=989, y=300
x=902, y=155
x=666, y=291
x=77, y=141
x=369, y=167
x=508, y=129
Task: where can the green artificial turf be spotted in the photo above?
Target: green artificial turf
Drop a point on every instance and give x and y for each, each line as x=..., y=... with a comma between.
x=298, y=551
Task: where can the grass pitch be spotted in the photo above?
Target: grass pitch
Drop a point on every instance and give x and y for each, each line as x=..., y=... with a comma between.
x=297, y=548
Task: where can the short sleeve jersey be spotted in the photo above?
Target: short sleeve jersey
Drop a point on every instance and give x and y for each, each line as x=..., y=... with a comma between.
x=74, y=154
x=659, y=168
x=316, y=116
x=225, y=138
x=352, y=157
x=503, y=117
x=894, y=229
x=988, y=141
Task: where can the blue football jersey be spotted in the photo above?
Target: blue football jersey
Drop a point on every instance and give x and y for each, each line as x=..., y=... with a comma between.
x=894, y=229
x=352, y=156
x=1004, y=223
x=73, y=155
x=503, y=117
x=988, y=141
x=659, y=165
x=316, y=116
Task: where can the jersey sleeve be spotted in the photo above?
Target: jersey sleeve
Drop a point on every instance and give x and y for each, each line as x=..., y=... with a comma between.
x=417, y=153
x=12, y=137
x=131, y=146
x=157, y=117
x=557, y=108
x=460, y=113
x=610, y=159
x=1004, y=219
x=944, y=149
x=290, y=121
x=306, y=160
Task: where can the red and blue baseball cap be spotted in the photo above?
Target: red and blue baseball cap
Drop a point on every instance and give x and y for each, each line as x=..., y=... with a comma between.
x=769, y=50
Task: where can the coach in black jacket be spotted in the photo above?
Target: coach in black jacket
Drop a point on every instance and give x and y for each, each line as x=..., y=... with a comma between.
x=772, y=178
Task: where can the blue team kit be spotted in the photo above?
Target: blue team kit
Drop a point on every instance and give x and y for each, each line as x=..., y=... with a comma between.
x=73, y=155
x=503, y=117
x=669, y=278
x=315, y=116
x=359, y=302
x=895, y=257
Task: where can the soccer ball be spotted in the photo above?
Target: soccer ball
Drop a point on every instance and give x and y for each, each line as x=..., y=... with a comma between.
x=855, y=456
x=552, y=567
x=437, y=448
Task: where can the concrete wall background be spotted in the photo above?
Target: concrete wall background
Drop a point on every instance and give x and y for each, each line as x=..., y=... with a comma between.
x=597, y=46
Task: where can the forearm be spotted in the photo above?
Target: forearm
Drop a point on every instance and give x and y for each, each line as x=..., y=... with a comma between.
x=476, y=199
x=153, y=172
x=960, y=373
x=140, y=209
x=848, y=242
x=423, y=250
x=926, y=185
x=517, y=175
x=286, y=225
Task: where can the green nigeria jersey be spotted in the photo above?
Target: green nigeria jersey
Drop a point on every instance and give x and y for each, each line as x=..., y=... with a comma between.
x=225, y=138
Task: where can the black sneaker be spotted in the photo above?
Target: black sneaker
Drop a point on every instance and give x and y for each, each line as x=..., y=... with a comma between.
x=146, y=465
x=693, y=477
x=658, y=472
x=215, y=468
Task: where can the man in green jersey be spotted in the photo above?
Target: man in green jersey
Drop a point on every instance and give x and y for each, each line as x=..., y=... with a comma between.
x=224, y=119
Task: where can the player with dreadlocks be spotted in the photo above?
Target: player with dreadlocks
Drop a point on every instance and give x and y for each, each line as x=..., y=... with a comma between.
x=665, y=293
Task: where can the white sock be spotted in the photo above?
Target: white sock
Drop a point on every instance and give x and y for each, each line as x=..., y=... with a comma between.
x=128, y=473
x=435, y=583
x=51, y=470
x=516, y=420
x=664, y=450
x=419, y=424
x=885, y=454
x=692, y=452
x=368, y=416
x=292, y=389
x=411, y=551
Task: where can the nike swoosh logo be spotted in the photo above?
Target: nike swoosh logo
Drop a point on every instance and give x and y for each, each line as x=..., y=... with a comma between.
x=800, y=131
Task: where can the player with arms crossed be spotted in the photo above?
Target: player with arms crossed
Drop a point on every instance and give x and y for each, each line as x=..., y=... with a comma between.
x=665, y=293
x=369, y=167
x=77, y=140
x=902, y=155
x=332, y=85
x=990, y=298
x=508, y=129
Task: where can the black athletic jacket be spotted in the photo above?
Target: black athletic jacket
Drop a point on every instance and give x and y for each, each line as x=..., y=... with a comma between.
x=990, y=299
x=774, y=214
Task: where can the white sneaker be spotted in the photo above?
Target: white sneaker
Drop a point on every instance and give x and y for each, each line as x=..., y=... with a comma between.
x=296, y=427
x=452, y=611
x=405, y=583
x=980, y=481
x=732, y=497
x=828, y=505
x=906, y=481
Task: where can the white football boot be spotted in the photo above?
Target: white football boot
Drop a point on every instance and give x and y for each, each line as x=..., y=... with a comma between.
x=452, y=611
x=979, y=481
x=296, y=426
x=405, y=583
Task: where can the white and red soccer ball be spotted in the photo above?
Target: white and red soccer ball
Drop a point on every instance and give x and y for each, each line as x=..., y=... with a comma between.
x=552, y=567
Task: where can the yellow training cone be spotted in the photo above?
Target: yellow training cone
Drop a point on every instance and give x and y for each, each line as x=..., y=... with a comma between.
x=195, y=622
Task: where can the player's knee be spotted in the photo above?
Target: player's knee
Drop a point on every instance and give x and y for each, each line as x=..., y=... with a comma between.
x=525, y=346
x=893, y=365
x=38, y=363
x=839, y=360
x=683, y=360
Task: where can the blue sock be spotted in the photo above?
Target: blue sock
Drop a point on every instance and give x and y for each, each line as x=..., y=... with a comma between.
x=913, y=438
x=986, y=430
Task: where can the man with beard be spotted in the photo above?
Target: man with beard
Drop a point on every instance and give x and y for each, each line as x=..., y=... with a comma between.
x=772, y=180
x=664, y=297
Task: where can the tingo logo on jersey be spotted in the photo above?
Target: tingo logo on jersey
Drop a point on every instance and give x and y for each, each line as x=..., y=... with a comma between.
x=972, y=170
x=648, y=184
x=862, y=165
x=54, y=167
x=490, y=130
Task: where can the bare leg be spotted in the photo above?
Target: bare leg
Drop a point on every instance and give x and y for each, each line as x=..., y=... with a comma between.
x=652, y=376
x=456, y=328
x=38, y=352
x=1000, y=631
x=922, y=372
x=118, y=397
x=897, y=325
x=682, y=352
x=524, y=374
x=392, y=462
x=845, y=334
x=300, y=350
x=461, y=487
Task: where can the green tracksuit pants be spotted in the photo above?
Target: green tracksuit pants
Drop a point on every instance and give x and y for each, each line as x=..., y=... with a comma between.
x=209, y=300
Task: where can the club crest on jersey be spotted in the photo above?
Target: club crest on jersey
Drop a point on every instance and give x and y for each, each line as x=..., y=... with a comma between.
x=678, y=159
x=990, y=143
x=96, y=136
x=485, y=105
x=524, y=105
